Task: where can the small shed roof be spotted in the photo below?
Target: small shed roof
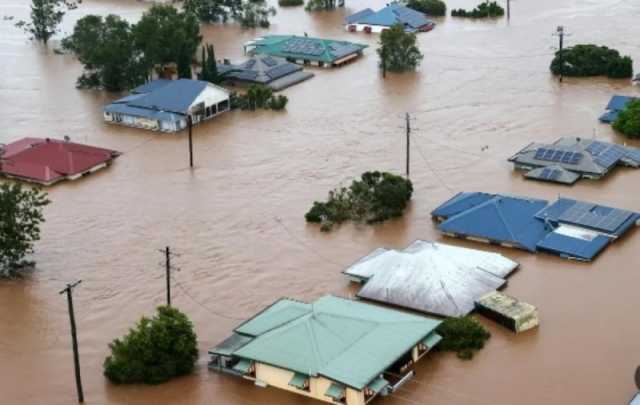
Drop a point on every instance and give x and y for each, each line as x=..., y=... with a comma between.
x=345, y=341
x=306, y=48
x=431, y=277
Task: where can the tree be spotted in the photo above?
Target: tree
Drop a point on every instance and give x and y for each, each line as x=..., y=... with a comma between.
x=165, y=36
x=46, y=15
x=484, y=10
x=431, y=7
x=376, y=197
x=628, y=121
x=155, y=351
x=316, y=5
x=259, y=96
x=20, y=219
x=106, y=49
x=290, y=3
x=249, y=13
x=462, y=335
x=398, y=51
x=592, y=60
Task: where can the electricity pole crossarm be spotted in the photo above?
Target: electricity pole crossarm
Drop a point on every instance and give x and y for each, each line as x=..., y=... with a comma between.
x=74, y=340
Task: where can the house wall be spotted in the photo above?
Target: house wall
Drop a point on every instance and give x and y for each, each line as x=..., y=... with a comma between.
x=211, y=95
x=375, y=29
x=279, y=378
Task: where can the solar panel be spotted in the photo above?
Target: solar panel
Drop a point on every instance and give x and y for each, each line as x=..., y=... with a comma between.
x=540, y=153
x=633, y=154
x=282, y=70
x=550, y=174
x=610, y=157
x=596, y=148
x=269, y=61
x=248, y=75
x=250, y=64
x=595, y=217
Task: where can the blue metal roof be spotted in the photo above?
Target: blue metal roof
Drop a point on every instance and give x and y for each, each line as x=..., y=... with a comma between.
x=616, y=104
x=151, y=86
x=175, y=96
x=393, y=14
x=532, y=224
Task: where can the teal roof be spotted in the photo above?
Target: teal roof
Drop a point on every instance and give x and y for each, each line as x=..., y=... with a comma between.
x=243, y=366
x=335, y=391
x=313, y=49
x=299, y=380
x=378, y=384
x=343, y=340
x=432, y=340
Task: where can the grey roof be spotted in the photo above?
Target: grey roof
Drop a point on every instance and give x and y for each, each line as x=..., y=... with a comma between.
x=264, y=69
x=431, y=277
x=585, y=157
x=553, y=173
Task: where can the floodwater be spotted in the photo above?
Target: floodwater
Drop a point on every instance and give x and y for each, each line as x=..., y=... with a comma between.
x=483, y=92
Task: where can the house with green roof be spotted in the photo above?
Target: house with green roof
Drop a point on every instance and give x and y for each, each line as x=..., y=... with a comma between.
x=306, y=50
x=335, y=350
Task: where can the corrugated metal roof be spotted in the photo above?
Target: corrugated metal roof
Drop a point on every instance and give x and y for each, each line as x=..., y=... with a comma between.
x=304, y=48
x=343, y=340
x=431, y=277
x=573, y=248
x=390, y=15
x=615, y=105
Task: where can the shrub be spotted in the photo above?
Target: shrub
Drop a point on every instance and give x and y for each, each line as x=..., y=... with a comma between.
x=290, y=3
x=628, y=121
x=259, y=96
x=484, y=10
x=591, y=60
x=462, y=335
x=278, y=102
x=431, y=7
x=155, y=351
x=376, y=197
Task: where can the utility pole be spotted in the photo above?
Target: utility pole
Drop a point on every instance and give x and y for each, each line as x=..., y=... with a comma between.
x=384, y=61
x=508, y=10
x=190, y=125
x=167, y=253
x=74, y=339
x=560, y=33
x=408, y=119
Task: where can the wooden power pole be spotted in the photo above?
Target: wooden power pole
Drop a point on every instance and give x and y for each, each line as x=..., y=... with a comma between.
x=74, y=340
x=560, y=33
x=408, y=119
x=168, y=273
x=190, y=124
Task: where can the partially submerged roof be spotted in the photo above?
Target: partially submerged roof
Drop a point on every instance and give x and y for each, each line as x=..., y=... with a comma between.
x=569, y=228
x=390, y=15
x=568, y=159
x=523, y=316
x=343, y=340
x=162, y=99
x=47, y=161
x=306, y=48
x=616, y=104
x=275, y=72
x=431, y=277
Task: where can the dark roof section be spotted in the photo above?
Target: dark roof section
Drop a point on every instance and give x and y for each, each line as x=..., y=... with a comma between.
x=616, y=104
x=275, y=72
x=554, y=174
x=569, y=228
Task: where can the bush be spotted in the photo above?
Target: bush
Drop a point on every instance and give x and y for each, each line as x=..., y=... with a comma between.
x=628, y=121
x=376, y=197
x=592, y=60
x=432, y=7
x=462, y=335
x=259, y=96
x=484, y=10
x=290, y=3
x=155, y=351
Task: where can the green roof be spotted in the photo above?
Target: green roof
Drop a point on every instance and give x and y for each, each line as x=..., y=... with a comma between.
x=243, y=366
x=299, y=381
x=343, y=340
x=335, y=391
x=313, y=49
x=378, y=384
x=432, y=340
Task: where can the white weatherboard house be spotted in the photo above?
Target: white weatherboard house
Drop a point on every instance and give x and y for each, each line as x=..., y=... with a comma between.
x=164, y=105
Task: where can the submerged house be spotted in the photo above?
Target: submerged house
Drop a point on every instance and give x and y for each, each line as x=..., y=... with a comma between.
x=430, y=277
x=164, y=105
x=49, y=161
x=568, y=228
x=274, y=72
x=306, y=50
x=569, y=159
x=334, y=349
x=371, y=21
x=616, y=104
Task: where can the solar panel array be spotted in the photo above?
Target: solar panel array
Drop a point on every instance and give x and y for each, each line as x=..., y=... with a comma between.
x=269, y=61
x=550, y=174
x=596, y=148
x=633, y=154
x=585, y=214
x=248, y=75
x=249, y=64
x=559, y=156
x=610, y=156
x=282, y=70
x=303, y=47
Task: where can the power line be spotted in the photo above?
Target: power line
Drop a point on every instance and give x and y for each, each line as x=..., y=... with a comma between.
x=186, y=292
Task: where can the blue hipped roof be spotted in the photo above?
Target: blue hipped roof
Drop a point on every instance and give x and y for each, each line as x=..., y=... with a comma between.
x=569, y=228
x=616, y=104
x=393, y=14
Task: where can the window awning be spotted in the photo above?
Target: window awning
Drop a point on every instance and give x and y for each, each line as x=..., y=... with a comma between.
x=432, y=340
x=335, y=391
x=243, y=366
x=378, y=385
x=299, y=381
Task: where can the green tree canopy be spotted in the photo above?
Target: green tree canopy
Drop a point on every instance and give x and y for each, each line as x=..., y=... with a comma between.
x=46, y=15
x=462, y=335
x=398, y=50
x=376, y=197
x=154, y=351
x=628, y=121
x=432, y=7
x=20, y=219
x=485, y=9
x=106, y=48
x=249, y=13
x=317, y=5
x=164, y=35
x=592, y=60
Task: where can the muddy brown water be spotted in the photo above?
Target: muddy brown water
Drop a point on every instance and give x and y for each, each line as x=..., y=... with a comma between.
x=237, y=218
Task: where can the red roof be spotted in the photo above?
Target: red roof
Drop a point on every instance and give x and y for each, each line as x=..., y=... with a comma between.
x=47, y=161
